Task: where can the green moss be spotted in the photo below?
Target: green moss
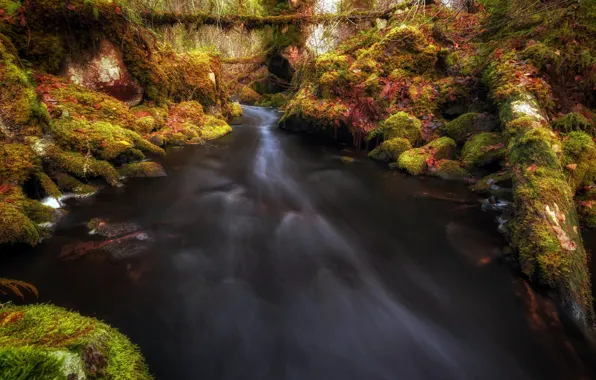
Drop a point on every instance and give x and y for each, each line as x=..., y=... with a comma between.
x=450, y=170
x=579, y=155
x=405, y=38
x=416, y=161
x=537, y=146
x=331, y=62
x=278, y=100
x=50, y=337
x=236, y=110
x=391, y=149
x=483, y=149
x=142, y=169
x=401, y=125
x=29, y=363
x=214, y=128
x=48, y=186
x=70, y=184
x=573, y=122
x=413, y=161
x=146, y=124
x=17, y=163
x=67, y=101
x=103, y=139
x=83, y=166
x=249, y=96
x=18, y=101
x=15, y=226
x=461, y=128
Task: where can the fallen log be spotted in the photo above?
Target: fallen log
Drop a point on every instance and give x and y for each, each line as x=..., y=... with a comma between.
x=256, y=22
x=545, y=230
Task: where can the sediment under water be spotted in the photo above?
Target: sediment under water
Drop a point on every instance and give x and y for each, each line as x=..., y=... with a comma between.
x=264, y=256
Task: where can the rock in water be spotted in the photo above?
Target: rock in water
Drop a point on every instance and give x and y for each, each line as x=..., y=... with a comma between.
x=104, y=70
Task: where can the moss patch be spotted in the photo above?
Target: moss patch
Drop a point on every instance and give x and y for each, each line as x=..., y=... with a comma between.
x=391, y=149
x=44, y=341
x=142, y=169
x=483, y=149
x=461, y=128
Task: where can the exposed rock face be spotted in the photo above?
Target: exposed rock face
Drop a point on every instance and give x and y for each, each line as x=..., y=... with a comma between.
x=104, y=70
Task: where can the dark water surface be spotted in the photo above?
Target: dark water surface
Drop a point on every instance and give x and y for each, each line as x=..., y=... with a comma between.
x=268, y=258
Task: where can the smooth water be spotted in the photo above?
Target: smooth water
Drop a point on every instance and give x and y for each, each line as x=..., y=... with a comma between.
x=264, y=256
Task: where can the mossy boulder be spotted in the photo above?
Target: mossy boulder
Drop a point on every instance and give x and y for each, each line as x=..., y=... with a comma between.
x=390, y=150
x=214, y=128
x=461, y=128
x=449, y=170
x=48, y=342
x=236, y=110
x=20, y=217
x=142, y=169
x=483, y=149
x=579, y=158
x=416, y=161
x=401, y=125
x=249, y=96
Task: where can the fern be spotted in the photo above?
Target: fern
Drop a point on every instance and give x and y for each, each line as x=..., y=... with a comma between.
x=17, y=287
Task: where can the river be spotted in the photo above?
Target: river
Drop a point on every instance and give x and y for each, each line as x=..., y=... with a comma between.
x=265, y=256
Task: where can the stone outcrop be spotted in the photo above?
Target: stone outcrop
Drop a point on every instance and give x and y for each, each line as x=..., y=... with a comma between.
x=104, y=70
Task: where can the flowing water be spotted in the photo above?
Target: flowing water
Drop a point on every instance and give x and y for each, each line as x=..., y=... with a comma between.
x=265, y=256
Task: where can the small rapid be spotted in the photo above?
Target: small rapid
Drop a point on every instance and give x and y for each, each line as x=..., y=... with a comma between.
x=265, y=256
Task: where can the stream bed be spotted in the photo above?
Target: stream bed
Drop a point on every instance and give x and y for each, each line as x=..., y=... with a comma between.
x=264, y=255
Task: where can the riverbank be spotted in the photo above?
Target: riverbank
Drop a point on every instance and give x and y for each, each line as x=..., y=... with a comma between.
x=433, y=93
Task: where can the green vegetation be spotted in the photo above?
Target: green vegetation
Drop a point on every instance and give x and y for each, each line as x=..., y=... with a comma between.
x=48, y=342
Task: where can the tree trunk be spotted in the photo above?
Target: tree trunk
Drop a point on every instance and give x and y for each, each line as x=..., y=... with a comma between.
x=545, y=230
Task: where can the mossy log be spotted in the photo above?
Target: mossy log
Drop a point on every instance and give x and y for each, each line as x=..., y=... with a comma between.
x=545, y=229
x=256, y=22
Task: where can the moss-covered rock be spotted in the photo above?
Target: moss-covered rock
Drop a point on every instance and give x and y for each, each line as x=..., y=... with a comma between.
x=142, y=169
x=483, y=149
x=236, y=110
x=104, y=140
x=416, y=161
x=81, y=166
x=214, y=128
x=249, y=96
x=461, y=128
x=391, y=149
x=48, y=342
x=449, y=169
x=400, y=125
x=20, y=217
